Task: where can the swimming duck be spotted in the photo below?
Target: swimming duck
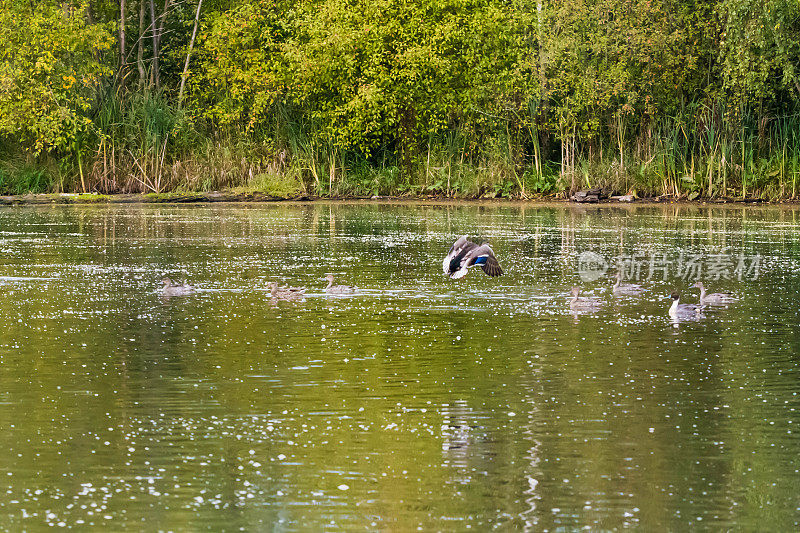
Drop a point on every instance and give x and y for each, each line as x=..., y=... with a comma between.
x=338, y=289
x=172, y=288
x=285, y=293
x=465, y=253
x=626, y=289
x=679, y=310
x=583, y=304
x=717, y=298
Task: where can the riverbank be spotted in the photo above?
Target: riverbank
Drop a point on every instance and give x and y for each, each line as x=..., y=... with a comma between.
x=259, y=197
x=300, y=99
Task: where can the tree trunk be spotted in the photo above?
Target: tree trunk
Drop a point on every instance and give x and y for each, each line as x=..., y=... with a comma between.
x=140, y=47
x=122, y=60
x=162, y=19
x=154, y=78
x=158, y=31
x=189, y=53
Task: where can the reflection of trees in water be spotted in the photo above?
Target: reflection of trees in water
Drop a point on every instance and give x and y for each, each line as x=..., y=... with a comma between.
x=458, y=437
x=153, y=375
x=533, y=471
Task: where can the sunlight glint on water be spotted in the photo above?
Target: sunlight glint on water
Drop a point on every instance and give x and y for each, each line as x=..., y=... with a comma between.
x=418, y=402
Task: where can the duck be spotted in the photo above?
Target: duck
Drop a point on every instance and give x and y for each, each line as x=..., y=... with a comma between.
x=583, y=304
x=286, y=293
x=717, y=298
x=465, y=254
x=625, y=289
x=679, y=310
x=338, y=289
x=173, y=288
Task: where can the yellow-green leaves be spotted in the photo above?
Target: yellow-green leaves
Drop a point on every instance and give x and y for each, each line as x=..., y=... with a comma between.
x=244, y=65
x=49, y=70
x=364, y=72
x=760, y=49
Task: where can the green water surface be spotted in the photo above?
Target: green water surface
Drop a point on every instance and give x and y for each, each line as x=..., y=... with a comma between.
x=417, y=403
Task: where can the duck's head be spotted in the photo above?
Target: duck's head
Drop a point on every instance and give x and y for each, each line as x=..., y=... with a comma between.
x=675, y=296
x=698, y=285
x=273, y=286
x=167, y=281
x=576, y=290
x=329, y=277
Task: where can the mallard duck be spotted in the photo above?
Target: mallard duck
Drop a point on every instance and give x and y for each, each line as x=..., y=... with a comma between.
x=717, y=298
x=679, y=310
x=285, y=293
x=338, y=289
x=626, y=289
x=465, y=254
x=583, y=304
x=172, y=288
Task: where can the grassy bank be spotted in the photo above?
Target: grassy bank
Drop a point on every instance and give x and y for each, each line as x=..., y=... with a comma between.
x=147, y=145
x=461, y=99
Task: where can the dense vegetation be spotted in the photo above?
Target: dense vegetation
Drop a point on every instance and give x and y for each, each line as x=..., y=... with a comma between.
x=361, y=97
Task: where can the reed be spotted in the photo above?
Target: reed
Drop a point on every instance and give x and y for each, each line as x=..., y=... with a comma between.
x=142, y=142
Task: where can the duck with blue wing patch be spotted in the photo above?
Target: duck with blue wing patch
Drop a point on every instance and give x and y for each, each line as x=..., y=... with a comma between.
x=465, y=254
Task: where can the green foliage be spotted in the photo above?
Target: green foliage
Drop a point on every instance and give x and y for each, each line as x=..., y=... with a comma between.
x=760, y=48
x=24, y=179
x=49, y=71
x=144, y=122
x=363, y=97
x=541, y=183
x=91, y=198
x=244, y=64
x=283, y=185
x=610, y=63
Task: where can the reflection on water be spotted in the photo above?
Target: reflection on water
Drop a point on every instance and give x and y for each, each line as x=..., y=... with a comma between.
x=419, y=402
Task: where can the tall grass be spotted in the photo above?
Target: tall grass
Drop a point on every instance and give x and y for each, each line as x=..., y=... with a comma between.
x=140, y=136
x=706, y=151
x=144, y=143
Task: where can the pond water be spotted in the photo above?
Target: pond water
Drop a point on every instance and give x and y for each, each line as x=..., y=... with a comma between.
x=418, y=403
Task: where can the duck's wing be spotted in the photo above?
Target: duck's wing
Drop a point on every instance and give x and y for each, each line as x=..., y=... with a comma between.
x=483, y=256
x=628, y=290
x=452, y=261
x=584, y=301
x=690, y=309
x=720, y=297
x=341, y=289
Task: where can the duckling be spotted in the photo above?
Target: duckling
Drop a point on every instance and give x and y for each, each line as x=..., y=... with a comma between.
x=465, y=254
x=626, y=289
x=583, y=304
x=338, y=289
x=172, y=288
x=685, y=311
x=288, y=293
x=717, y=298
